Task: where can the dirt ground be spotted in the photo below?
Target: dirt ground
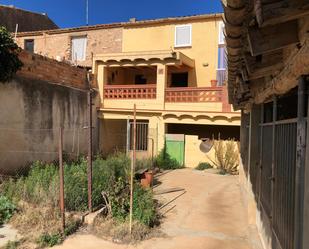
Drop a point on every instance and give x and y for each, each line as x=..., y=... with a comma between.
x=209, y=215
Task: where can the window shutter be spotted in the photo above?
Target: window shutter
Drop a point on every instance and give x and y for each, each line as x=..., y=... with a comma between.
x=183, y=36
x=79, y=48
x=221, y=33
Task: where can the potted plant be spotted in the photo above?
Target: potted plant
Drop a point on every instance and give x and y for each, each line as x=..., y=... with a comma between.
x=214, y=83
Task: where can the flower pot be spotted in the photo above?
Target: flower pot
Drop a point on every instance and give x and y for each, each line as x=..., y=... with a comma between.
x=149, y=176
x=214, y=83
x=147, y=179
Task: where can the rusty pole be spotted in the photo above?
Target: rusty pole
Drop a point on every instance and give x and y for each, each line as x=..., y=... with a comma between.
x=89, y=168
x=132, y=168
x=61, y=176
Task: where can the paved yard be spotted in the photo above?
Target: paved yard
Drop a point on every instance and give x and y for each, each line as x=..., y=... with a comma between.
x=209, y=215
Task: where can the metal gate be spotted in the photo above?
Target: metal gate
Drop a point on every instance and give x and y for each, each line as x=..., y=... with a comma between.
x=175, y=147
x=277, y=172
x=284, y=182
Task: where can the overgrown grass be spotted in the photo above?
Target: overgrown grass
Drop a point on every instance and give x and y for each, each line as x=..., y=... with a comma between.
x=41, y=187
x=203, y=166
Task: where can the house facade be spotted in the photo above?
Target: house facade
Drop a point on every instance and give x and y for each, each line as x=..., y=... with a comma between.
x=172, y=69
x=268, y=68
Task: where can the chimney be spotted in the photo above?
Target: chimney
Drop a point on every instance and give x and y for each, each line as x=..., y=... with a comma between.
x=133, y=19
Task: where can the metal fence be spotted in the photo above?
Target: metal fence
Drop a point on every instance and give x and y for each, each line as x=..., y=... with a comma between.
x=23, y=150
x=284, y=182
x=273, y=180
x=266, y=166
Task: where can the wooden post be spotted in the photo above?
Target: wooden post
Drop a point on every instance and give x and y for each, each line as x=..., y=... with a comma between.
x=273, y=161
x=89, y=161
x=306, y=184
x=133, y=167
x=300, y=166
x=61, y=176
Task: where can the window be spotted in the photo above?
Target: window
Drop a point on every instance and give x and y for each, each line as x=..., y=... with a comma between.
x=183, y=35
x=29, y=45
x=179, y=79
x=221, y=57
x=140, y=79
x=79, y=45
x=221, y=39
x=141, y=135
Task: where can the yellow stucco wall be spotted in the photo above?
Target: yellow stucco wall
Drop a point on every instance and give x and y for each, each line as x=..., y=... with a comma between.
x=204, y=47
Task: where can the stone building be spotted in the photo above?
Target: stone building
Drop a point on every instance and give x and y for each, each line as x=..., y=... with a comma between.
x=173, y=69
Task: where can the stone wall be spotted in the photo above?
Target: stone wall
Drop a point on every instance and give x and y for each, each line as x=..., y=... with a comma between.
x=42, y=68
x=57, y=44
x=34, y=105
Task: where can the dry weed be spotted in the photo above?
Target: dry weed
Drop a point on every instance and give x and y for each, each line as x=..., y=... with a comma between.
x=109, y=229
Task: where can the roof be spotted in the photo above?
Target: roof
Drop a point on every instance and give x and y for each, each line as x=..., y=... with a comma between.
x=267, y=48
x=126, y=24
x=26, y=20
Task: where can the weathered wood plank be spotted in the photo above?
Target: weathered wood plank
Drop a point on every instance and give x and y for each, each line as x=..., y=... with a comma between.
x=271, y=38
x=282, y=12
x=267, y=64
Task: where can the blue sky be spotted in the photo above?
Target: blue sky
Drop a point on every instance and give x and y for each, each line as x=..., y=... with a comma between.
x=71, y=13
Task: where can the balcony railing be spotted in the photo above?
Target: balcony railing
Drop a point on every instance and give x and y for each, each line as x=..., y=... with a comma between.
x=130, y=91
x=193, y=94
x=221, y=76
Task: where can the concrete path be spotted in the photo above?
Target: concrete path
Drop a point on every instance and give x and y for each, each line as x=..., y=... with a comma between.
x=209, y=215
x=7, y=233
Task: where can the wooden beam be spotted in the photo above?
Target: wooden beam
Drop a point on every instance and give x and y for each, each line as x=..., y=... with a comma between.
x=280, y=12
x=263, y=65
x=271, y=38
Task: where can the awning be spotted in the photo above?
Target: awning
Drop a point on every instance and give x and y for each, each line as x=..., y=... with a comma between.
x=145, y=58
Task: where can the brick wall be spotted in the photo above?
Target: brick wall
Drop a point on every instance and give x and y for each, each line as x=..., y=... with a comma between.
x=57, y=45
x=41, y=68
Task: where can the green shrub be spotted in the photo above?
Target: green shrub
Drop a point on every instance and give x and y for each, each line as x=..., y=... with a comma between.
x=72, y=227
x=145, y=163
x=144, y=206
x=7, y=208
x=49, y=240
x=203, y=166
x=164, y=161
x=9, y=61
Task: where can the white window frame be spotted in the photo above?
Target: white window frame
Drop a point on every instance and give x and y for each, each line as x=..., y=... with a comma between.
x=221, y=31
x=85, y=48
x=175, y=38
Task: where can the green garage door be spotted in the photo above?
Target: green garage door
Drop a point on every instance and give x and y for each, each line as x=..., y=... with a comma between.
x=175, y=146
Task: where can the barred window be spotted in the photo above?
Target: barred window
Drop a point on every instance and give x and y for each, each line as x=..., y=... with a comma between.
x=141, y=135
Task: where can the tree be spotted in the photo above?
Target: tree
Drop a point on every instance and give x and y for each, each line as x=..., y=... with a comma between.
x=9, y=61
